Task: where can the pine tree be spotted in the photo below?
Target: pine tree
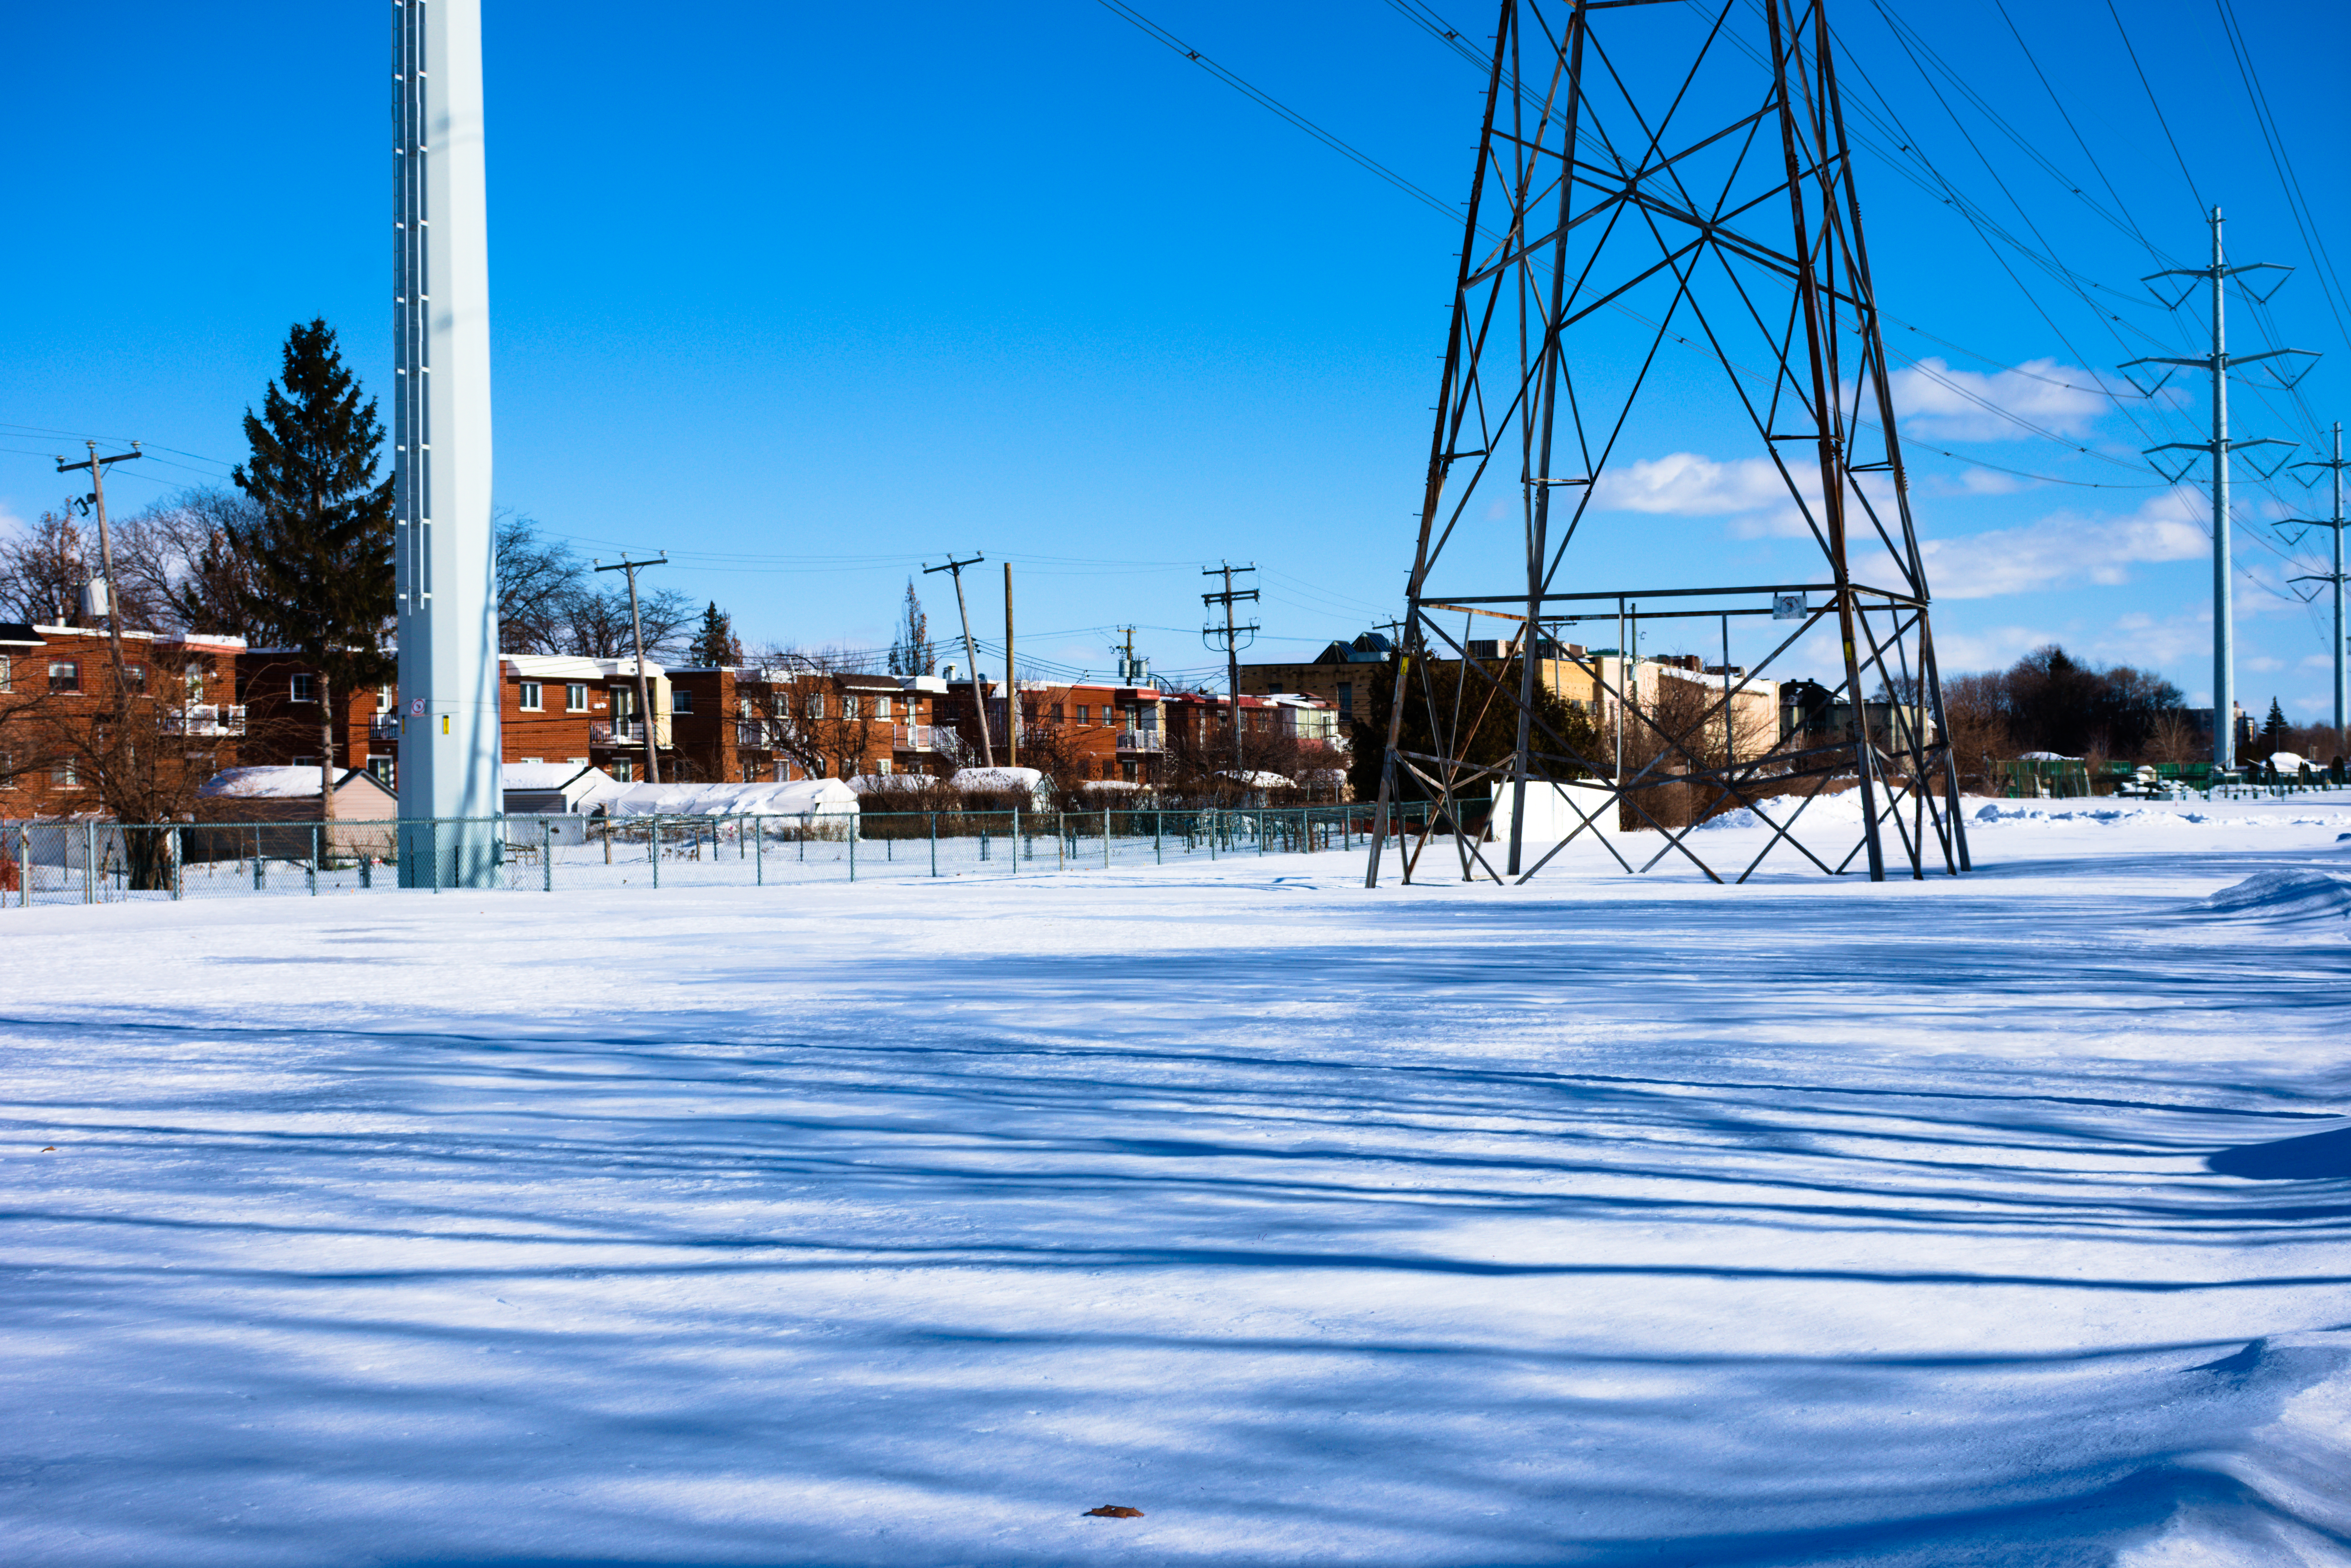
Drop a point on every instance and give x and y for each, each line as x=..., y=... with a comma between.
x=716, y=643
x=2274, y=731
x=319, y=545
x=912, y=652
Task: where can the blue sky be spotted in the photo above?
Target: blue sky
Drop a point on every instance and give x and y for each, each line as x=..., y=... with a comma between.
x=811, y=297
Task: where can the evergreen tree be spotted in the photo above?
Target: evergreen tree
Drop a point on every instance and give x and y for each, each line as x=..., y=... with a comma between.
x=716, y=643
x=318, y=542
x=2274, y=731
x=911, y=651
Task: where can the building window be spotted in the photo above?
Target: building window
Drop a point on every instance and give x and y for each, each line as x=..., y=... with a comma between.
x=575, y=698
x=816, y=705
x=380, y=768
x=849, y=706
x=1086, y=714
x=882, y=765
x=530, y=696
x=681, y=701
x=383, y=699
x=195, y=673
x=305, y=762
x=8, y=673
x=7, y=771
x=62, y=774
x=1346, y=699
x=529, y=760
x=750, y=773
x=623, y=702
x=64, y=676
x=305, y=689
x=881, y=707
x=624, y=769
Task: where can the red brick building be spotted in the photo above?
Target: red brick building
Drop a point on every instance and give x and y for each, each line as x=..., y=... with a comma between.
x=57, y=698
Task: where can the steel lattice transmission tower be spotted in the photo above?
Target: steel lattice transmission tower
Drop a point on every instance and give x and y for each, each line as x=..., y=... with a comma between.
x=1653, y=179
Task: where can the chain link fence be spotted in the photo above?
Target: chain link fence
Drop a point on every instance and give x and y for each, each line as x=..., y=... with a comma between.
x=107, y=863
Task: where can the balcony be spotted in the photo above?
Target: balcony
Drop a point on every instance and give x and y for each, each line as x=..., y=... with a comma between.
x=204, y=718
x=383, y=727
x=625, y=732
x=1140, y=740
x=921, y=737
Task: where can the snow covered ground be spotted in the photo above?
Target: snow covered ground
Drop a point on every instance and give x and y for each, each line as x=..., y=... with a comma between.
x=1989, y=1220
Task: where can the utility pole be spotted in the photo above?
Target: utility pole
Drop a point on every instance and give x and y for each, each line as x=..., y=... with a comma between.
x=2336, y=523
x=1011, y=681
x=2220, y=361
x=979, y=696
x=637, y=633
x=1232, y=636
x=1127, y=657
x=105, y=597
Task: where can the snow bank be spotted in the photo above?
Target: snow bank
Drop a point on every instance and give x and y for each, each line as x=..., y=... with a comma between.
x=980, y=780
x=260, y=784
x=2288, y=894
x=802, y=797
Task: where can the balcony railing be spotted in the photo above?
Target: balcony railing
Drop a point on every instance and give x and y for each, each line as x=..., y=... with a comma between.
x=921, y=737
x=383, y=727
x=1140, y=740
x=205, y=719
x=624, y=732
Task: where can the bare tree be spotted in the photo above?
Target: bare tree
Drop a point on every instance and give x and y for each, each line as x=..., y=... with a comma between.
x=537, y=580
x=596, y=623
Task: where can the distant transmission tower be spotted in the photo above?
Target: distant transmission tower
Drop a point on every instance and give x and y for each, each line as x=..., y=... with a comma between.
x=1674, y=173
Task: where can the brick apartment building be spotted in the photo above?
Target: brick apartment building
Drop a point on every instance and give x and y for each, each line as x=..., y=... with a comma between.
x=58, y=696
x=1099, y=732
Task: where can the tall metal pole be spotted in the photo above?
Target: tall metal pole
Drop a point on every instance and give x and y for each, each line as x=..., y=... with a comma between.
x=2335, y=523
x=2224, y=619
x=970, y=653
x=2220, y=362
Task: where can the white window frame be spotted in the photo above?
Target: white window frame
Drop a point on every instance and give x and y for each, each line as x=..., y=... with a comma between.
x=72, y=667
x=531, y=696
x=575, y=697
x=303, y=688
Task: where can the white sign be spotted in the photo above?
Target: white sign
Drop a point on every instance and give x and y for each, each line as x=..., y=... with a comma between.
x=416, y=707
x=1788, y=607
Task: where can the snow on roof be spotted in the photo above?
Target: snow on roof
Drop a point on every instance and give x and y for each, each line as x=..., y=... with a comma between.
x=997, y=778
x=562, y=666
x=1110, y=784
x=802, y=797
x=1256, y=780
x=2048, y=756
x=259, y=783
x=2286, y=761
x=881, y=783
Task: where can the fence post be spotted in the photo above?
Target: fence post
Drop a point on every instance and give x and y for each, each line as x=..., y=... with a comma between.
x=853, y=851
x=759, y=854
x=25, y=868
x=314, y=860
x=546, y=855
x=935, y=844
x=178, y=851
x=656, y=849
x=1105, y=839
x=1016, y=841
x=89, y=863
x=1060, y=841
x=432, y=840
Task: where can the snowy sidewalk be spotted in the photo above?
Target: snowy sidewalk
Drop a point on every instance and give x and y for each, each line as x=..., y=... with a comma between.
x=1600, y=1222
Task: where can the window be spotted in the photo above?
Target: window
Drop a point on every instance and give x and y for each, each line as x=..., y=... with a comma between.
x=881, y=707
x=134, y=677
x=62, y=774
x=530, y=697
x=623, y=701
x=384, y=701
x=7, y=771
x=575, y=698
x=816, y=705
x=849, y=706
x=305, y=762
x=1086, y=714
x=1054, y=713
x=380, y=768
x=1346, y=699
x=8, y=673
x=305, y=689
x=529, y=760
x=195, y=673
x=823, y=768
x=681, y=701
x=783, y=772
x=881, y=765
x=750, y=773
x=624, y=769
x=64, y=676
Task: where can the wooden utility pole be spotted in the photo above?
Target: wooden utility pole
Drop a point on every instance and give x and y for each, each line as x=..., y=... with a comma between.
x=1011, y=683
x=637, y=635
x=1232, y=635
x=979, y=696
x=103, y=602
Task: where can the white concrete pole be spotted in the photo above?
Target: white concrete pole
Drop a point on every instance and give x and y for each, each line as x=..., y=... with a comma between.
x=449, y=763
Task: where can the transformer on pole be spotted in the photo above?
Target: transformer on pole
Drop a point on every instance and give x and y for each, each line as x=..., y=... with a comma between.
x=442, y=537
x=1652, y=175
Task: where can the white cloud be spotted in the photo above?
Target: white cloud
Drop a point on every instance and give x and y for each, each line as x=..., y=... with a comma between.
x=1749, y=492
x=1934, y=400
x=2063, y=549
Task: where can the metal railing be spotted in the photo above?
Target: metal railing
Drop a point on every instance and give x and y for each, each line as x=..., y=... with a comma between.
x=91, y=862
x=1139, y=740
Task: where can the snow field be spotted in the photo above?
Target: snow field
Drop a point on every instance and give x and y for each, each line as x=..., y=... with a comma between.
x=1597, y=1221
